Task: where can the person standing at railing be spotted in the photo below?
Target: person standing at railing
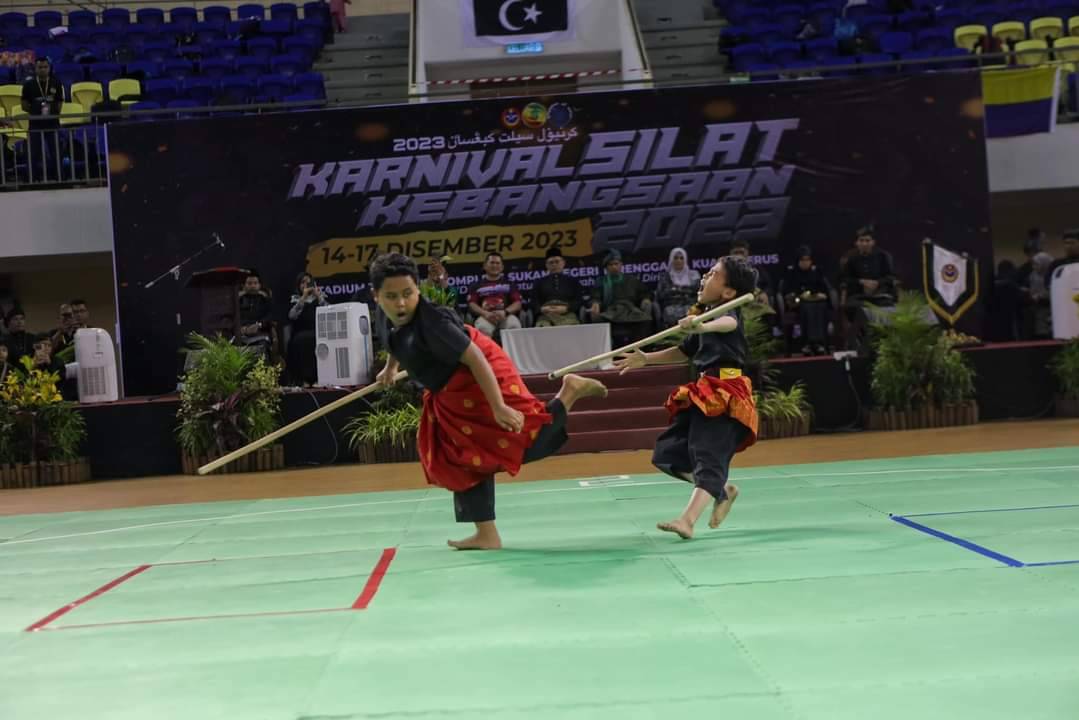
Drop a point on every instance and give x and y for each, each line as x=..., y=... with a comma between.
x=42, y=99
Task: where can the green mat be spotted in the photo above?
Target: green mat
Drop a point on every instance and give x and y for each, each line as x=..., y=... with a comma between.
x=811, y=601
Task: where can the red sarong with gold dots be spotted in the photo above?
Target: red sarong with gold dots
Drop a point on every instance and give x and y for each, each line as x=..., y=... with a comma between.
x=459, y=442
x=714, y=396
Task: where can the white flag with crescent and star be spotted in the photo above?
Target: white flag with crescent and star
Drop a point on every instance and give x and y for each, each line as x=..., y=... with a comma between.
x=505, y=22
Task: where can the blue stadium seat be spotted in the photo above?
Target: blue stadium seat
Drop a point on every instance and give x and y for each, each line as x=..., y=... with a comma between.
x=250, y=10
x=184, y=18
x=150, y=17
x=284, y=11
x=162, y=90
x=217, y=67
x=200, y=89
x=81, y=19
x=896, y=43
x=217, y=15
x=264, y=47
x=48, y=19
x=784, y=53
x=310, y=84
x=116, y=18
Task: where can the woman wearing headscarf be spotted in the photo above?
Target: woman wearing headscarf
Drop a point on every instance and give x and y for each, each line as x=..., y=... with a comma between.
x=677, y=288
x=806, y=294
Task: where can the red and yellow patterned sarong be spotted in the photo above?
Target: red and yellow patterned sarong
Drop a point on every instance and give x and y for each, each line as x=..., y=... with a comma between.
x=459, y=442
x=730, y=394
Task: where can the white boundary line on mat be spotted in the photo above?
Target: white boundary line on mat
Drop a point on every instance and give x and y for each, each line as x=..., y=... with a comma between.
x=581, y=486
x=167, y=523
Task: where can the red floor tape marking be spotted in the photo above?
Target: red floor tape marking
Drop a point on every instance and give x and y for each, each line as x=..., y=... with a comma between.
x=85, y=599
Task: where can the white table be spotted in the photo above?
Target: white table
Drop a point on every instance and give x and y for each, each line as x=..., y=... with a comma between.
x=538, y=351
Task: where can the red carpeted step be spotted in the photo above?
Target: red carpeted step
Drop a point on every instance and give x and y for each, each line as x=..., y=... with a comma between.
x=623, y=419
x=607, y=440
x=622, y=398
x=665, y=375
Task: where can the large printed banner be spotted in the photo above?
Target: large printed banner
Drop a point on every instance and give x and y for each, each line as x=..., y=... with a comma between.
x=776, y=164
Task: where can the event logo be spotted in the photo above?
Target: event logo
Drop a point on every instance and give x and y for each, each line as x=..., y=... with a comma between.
x=520, y=17
x=534, y=115
x=510, y=118
x=559, y=115
x=949, y=273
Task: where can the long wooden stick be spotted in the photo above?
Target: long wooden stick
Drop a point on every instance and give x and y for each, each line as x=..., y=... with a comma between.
x=281, y=432
x=702, y=318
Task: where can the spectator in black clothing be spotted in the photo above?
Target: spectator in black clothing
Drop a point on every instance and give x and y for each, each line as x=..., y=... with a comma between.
x=256, y=315
x=5, y=366
x=557, y=296
x=19, y=342
x=82, y=313
x=64, y=336
x=301, y=347
x=1004, y=305
x=1032, y=284
x=1071, y=255
x=806, y=297
x=868, y=279
x=43, y=96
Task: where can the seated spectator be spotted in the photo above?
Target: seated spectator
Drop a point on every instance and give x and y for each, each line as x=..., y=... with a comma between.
x=45, y=360
x=5, y=366
x=676, y=291
x=19, y=342
x=807, y=300
x=868, y=279
x=301, y=347
x=63, y=337
x=256, y=315
x=556, y=297
x=623, y=301
x=495, y=302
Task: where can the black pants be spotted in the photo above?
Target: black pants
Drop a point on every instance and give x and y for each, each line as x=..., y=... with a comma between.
x=477, y=504
x=702, y=446
x=813, y=316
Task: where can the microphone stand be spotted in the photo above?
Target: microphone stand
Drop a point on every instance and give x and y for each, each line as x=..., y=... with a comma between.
x=175, y=269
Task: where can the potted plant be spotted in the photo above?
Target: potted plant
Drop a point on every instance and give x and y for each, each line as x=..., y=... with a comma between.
x=387, y=433
x=230, y=398
x=40, y=432
x=919, y=379
x=1065, y=366
x=781, y=413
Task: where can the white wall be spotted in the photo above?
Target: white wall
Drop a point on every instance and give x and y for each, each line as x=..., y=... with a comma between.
x=1036, y=162
x=55, y=222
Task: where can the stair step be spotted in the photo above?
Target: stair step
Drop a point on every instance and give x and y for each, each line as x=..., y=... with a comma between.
x=665, y=376
x=621, y=398
x=608, y=440
x=619, y=419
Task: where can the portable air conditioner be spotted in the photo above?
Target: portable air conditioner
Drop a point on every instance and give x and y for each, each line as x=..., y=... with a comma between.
x=1064, y=301
x=95, y=366
x=343, y=345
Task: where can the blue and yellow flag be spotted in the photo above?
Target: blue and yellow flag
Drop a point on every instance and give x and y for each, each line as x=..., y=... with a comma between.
x=1020, y=102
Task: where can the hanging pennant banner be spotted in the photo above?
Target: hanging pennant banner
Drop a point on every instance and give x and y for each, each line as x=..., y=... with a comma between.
x=950, y=280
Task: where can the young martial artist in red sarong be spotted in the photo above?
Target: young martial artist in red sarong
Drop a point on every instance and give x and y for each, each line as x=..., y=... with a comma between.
x=714, y=417
x=478, y=417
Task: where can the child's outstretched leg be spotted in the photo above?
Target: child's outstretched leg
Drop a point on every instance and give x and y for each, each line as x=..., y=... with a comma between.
x=477, y=505
x=575, y=387
x=683, y=524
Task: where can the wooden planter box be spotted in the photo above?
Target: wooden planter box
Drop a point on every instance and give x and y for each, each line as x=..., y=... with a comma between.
x=371, y=453
x=41, y=474
x=265, y=458
x=770, y=429
x=929, y=416
x=1067, y=406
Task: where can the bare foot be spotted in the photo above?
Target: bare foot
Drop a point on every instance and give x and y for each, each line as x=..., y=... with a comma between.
x=575, y=387
x=720, y=509
x=477, y=542
x=680, y=527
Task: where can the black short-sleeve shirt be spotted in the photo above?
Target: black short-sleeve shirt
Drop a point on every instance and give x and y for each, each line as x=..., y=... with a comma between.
x=716, y=349
x=430, y=346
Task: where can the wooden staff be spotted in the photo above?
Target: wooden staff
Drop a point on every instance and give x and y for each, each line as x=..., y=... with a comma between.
x=281, y=432
x=698, y=320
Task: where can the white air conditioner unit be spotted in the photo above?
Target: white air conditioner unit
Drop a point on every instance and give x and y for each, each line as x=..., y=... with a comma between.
x=343, y=345
x=95, y=366
x=1063, y=291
